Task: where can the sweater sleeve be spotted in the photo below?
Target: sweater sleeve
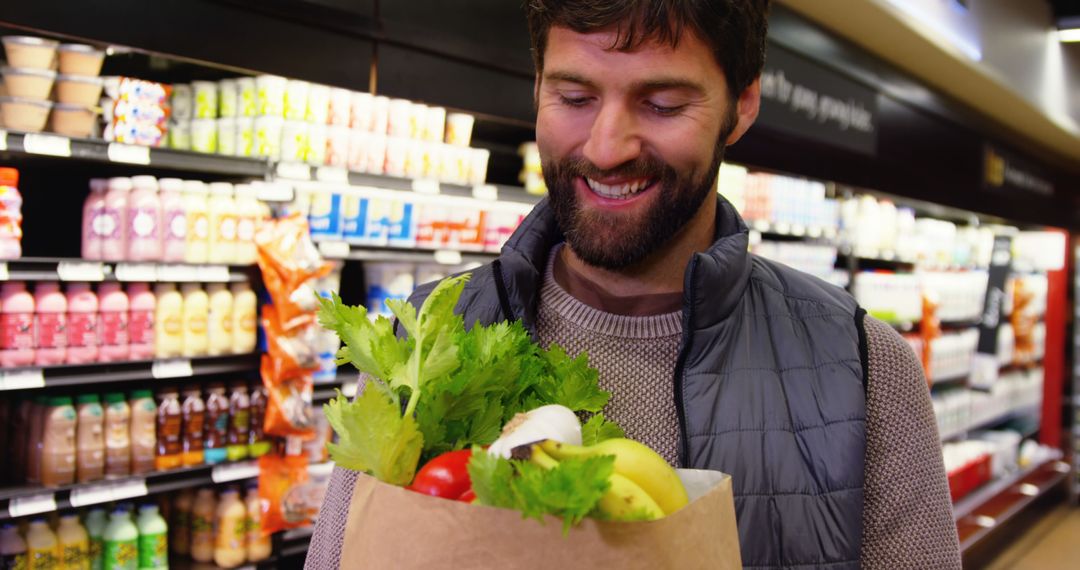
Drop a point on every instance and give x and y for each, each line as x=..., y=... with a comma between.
x=907, y=511
x=324, y=552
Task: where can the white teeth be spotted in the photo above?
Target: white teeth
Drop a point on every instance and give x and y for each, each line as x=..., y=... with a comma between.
x=619, y=191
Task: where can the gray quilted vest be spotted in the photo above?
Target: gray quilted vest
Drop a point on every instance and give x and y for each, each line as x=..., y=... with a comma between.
x=769, y=386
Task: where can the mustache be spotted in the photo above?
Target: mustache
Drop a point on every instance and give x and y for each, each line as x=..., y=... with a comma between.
x=645, y=167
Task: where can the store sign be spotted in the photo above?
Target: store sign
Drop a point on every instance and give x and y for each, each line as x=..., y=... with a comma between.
x=805, y=99
x=984, y=370
x=1006, y=171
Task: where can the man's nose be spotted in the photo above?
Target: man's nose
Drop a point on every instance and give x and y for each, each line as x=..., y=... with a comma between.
x=614, y=138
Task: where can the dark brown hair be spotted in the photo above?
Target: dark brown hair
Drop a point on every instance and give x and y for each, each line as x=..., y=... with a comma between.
x=734, y=29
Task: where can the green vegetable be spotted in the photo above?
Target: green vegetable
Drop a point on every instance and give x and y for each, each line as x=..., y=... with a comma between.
x=597, y=429
x=374, y=437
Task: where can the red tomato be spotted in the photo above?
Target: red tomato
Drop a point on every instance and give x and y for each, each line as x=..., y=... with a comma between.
x=467, y=497
x=444, y=476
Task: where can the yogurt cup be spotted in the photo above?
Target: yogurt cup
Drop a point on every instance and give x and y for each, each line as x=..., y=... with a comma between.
x=340, y=107
x=376, y=154
x=28, y=115
x=28, y=82
x=270, y=95
x=337, y=146
x=397, y=156
x=380, y=114
x=360, y=105
x=226, y=136
x=245, y=87
x=435, y=124
x=180, y=135
x=228, y=98
x=400, y=118
x=78, y=89
x=73, y=120
x=206, y=99
x=296, y=99
x=183, y=102
x=268, y=136
x=318, y=105
x=245, y=136
x=415, y=164
x=294, y=141
x=316, y=151
x=30, y=51
x=478, y=165
x=204, y=135
x=81, y=59
x=359, y=141
x=459, y=128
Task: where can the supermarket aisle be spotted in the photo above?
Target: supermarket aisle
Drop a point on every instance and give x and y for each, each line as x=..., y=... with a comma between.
x=1052, y=543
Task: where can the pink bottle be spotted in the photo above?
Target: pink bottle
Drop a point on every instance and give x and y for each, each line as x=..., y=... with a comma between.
x=51, y=324
x=174, y=226
x=16, y=325
x=141, y=320
x=82, y=324
x=113, y=311
x=144, y=220
x=94, y=222
x=113, y=227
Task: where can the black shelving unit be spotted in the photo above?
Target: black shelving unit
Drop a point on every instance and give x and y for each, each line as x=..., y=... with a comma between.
x=75, y=269
x=100, y=374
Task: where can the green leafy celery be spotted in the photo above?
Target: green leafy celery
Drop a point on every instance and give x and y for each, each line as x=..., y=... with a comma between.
x=597, y=429
x=374, y=437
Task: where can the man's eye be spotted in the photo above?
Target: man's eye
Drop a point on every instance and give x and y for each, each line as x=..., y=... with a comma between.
x=573, y=101
x=665, y=110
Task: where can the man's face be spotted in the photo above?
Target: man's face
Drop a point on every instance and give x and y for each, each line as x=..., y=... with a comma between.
x=630, y=141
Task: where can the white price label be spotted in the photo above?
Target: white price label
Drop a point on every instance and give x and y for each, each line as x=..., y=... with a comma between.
x=32, y=505
x=213, y=273
x=81, y=271
x=294, y=170
x=334, y=249
x=321, y=469
x=349, y=390
x=426, y=186
x=293, y=445
x=448, y=257
x=22, y=379
x=798, y=230
x=129, y=489
x=273, y=191
x=50, y=145
x=333, y=174
x=3, y=140
x=762, y=226
x=234, y=471
x=136, y=272
x=129, y=154
x=177, y=273
x=92, y=495
x=175, y=368
x=486, y=192
x=4, y=275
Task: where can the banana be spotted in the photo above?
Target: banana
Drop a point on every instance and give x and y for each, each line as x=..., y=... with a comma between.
x=634, y=461
x=625, y=501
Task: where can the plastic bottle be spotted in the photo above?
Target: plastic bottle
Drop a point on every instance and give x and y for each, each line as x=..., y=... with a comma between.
x=222, y=223
x=36, y=445
x=141, y=306
x=74, y=543
x=170, y=428
x=229, y=542
x=113, y=310
x=219, y=328
x=193, y=411
x=121, y=542
x=153, y=539
x=174, y=221
x=89, y=439
x=239, y=422
x=42, y=548
x=16, y=325
x=51, y=324
x=258, y=545
x=217, y=424
x=197, y=243
x=143, y=431
x=114, y=226
x=244, y=311
x=82, y=324
x=96, y=521
x=168, y=321
x=248, y=213
x=258, y=445
x=10, y=214
x=58, y=447
x=117, y=436
x=203, y=513
x=196, y=310
x=12, y=548
x=180, y=530
x=144, y=220
x=93, y=220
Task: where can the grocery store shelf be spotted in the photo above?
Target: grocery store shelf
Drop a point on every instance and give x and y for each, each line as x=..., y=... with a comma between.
x=343, y=250
x=295, y=542
x=100, y=373
x=1020, y=412
x=75, y=269
x=793, y=231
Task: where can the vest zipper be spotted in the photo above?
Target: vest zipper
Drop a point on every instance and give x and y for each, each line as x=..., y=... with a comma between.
x=680, y=364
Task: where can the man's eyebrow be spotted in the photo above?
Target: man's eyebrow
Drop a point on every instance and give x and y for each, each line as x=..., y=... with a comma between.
x=648, y=85
x=569, y=77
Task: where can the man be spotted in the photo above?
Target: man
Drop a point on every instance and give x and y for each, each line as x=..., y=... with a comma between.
x=715, y=358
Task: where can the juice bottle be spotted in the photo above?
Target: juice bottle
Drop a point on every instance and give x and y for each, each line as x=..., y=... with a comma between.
x=96, y=521
x=113, y=311
x=180, y=529
x=229, y=542
x=239, y=422
x=74, y=543
x=94, y=224
x=121, y=550
x=217, y=424
x=244, y=309
x=153, y=539
x=36, y=445
x=51, y=324
x=203, y=514
x=117, y=436
x=58, y=449
x=82, y=324
x=168, y=321
x=143, y=432
x=197, y=242
x=248, y=213
x=222, y=216
x=22, y=425
x=7, y=419
x=258, y=544
x=12, y=548
x=196, y=309
x=141, y=306
x=193, y=411
x=114, y=226
x=90, y=439
x=174, y=221
x=144, y=220
x=170, y=443
x=219, y=325
x=42, y=548
x=16, y=325
x=258, y=445
x=10, y=214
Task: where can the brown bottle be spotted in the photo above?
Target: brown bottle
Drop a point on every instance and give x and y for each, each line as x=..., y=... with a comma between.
x=193, y=410
x=217, y=424
x=90, y=439
x=58, y=445
x=239, y=422
x=143, y=431
x=258, y=445
x=170, y=443
x=117, y=436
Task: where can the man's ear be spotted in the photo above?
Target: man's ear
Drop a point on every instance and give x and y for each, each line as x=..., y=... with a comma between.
x=746, y=110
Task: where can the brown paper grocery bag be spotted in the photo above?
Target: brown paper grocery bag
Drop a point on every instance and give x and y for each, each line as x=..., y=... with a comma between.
x=391, y=527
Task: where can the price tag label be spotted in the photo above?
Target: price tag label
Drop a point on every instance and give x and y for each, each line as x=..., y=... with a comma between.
x=234, y=471
x=321, y=469
x=293, y=445
x=213, y=273
x=174, y=368
x=273, y=191
x=448, y=257
x=333, y=174
x=485, y=192
x=334, y=249
x=129, y=489
x=81, y=271
x=349, y=390
x=22, y=379
x=32, y=505
x=177, y=273
x=92, y=495
x=136, y=272
x=294, y=171
x=49, y=145
x=762, y=226
x=4, y=275
x=3, y=140
x=426, y=187
x=129, y=154
x=798, y=230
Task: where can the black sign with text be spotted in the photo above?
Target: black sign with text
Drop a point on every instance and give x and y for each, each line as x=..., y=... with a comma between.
x=1003, y=170
x=1000, y=264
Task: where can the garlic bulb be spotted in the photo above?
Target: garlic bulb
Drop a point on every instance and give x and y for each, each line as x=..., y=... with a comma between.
x=554, y=422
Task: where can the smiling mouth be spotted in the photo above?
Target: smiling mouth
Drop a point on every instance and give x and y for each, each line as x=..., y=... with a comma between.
x=619, y=191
